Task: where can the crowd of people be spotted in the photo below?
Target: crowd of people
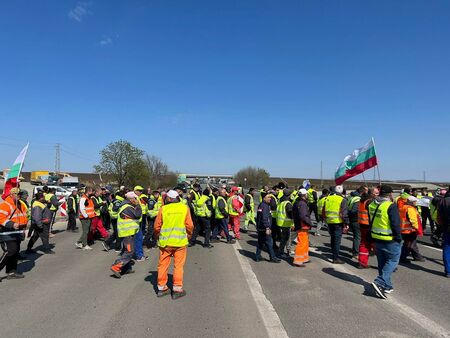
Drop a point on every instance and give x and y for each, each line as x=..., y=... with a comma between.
x=128, y=220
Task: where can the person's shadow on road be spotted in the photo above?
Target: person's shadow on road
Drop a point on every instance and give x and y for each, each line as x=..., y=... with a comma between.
x=368, y=289
x=153, y=279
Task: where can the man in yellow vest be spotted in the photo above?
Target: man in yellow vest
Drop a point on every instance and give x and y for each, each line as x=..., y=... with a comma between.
x=336, y=216
x=284, y=222
x=114, y=241
x=249, y=209
x=320, y=204
x=312, y=202
x=221, y=217
x=173, y=228
x=139, y=238
x=384, y=219
x=193, y=197
x=72, y=211
x=40, y=222
x=154, y=204
x=204, y=212
x=128, y=221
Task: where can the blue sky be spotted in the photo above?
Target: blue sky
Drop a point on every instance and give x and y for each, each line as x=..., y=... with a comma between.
x=212, y=86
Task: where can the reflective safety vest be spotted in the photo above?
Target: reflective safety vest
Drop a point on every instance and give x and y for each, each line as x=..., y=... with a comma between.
x=99, y=200
x=333, y=209
x=363, y=214
x=37, y=204
x=406, y=224
x=381, y=226
x=401, y=200
x=74, y=202
x=214, y=201
x=48, y=197
x=173, y=230
x=9, y=212
x=294, y=196
x=282, y=218
x=144, y=205
x=195, y=201
x=231, y=210
x=311, y=196
x=352, y=201
x=126, y=226
x=321, y=204
x=252, y=204
x=217, y=213
x=274, y=212
x=89, y=209
x=280, y=194
x=26, y=208
x=261, y=192
x=114, y=214
x=203, y=210
x=433, y=212
x=156, y=206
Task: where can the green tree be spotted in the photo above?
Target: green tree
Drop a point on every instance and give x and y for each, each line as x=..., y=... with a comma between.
x=122, y=161
x=252, y=177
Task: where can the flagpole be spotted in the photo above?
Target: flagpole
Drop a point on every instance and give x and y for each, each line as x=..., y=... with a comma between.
x=378, y=166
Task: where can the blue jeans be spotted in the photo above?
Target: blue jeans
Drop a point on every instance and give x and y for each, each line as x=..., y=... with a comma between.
x=139, y=244
x=267, y=240
x=446, y=251
x=335, y=231
x=388, y=256
x=221, y=224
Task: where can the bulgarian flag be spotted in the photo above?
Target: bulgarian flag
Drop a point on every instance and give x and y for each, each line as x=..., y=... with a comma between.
x=12, y=178
x=357, y=162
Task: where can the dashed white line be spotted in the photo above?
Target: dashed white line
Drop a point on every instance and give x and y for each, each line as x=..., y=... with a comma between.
x=268, y=314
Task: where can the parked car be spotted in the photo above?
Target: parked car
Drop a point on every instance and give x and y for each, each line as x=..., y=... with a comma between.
x=60, y=192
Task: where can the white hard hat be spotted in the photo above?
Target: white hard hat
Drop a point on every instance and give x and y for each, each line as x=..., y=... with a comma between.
x=303, y=192
x=172, y=194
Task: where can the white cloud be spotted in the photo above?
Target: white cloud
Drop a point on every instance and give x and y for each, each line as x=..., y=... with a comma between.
x=80, y=11
x=105, y=41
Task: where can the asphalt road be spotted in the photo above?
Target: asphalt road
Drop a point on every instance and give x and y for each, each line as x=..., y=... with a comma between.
x=72, y=294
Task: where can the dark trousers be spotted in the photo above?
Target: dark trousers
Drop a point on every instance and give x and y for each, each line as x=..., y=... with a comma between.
x=222, y=225
x=266, y=240
x=85, y=227
x=356, y=231
x=313, y=209
x=123, y=262
x=426, y=215
x=114, y=237
x=285, y=235
x=149, y=240
x=410, y=246
x=106, y=220
x=197, y=228
x=42, y=233
x=335, y=231
x=10, y=255
x=206, y=225
x=72, y=222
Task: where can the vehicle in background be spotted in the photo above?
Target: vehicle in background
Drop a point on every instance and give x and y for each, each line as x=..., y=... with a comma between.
x=69, y=183
x=49, y=180
x=60, y=191
x=35, y=177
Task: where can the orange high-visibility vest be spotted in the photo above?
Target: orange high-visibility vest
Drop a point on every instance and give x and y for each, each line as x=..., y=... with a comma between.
x=363, y=213
x=406, y=224
x=90, y=210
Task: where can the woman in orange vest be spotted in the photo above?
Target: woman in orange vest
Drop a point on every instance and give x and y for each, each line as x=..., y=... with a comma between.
x=411, y=226
x=13, y=222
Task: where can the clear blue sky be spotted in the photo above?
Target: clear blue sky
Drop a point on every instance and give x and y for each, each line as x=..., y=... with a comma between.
x=212, y=86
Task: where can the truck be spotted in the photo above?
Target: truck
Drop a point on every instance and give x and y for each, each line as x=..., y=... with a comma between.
x=36, y=176
x=69, y=183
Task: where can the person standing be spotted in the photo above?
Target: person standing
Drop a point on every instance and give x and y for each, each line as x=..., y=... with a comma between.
x=249, y=209
x=234, y=207
x=13, y=221
x=87, y=213
x=320, y=204
x=128, y=219
x=302, y=225
x=40, y=222
x=353, y=207
x=221, y=215
x=365, y=245
x=173, y=229
x=434, y=206
x=193, y=197
x=97, y=222
x=336, y=215
x=385, y=231
x=264, y=229
x=284, y=222
x=154, y=204
x=411, y=227
x=139, y=237
x=72, y=211
x=204, y=212
x=114, y=241
x=444, y=222
x=312, y=202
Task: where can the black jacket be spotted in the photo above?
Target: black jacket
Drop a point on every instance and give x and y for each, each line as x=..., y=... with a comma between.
x=263, y=217
x=300, y=214
x=444, y=213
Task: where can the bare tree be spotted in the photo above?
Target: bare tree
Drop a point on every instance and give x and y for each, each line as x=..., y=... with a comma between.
x=159, y=173
x=252, y=177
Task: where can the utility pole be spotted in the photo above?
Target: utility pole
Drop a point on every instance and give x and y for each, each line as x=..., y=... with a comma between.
x=321, y=174
x=58, y=159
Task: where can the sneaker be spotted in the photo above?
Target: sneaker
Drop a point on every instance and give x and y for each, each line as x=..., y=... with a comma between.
x=388, y=291
x=379, y=290
x=116, y=274
x=231, y=241
x=117, y=250
x=49, y=252
x=421, y=259
x=338, y=261
x=162, y=293
x=275, y=260
x=208, y=246
x=178, y=294
x=14, y=275
x=142, y=259
x=283, y=256
x=79, y=245
x=87, y=247
x=105, y=246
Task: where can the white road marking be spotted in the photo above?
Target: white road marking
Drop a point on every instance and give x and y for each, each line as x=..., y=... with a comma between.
x=423, y=321
x=268, y=314
x=431, y=247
